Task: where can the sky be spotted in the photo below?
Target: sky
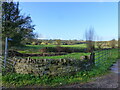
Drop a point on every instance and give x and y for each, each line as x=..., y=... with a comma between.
x=70, y=20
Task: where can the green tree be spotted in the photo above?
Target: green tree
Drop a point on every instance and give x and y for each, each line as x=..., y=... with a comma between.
x=113, y=43
x=58, y=41
x=0, y=28
x=15, y=26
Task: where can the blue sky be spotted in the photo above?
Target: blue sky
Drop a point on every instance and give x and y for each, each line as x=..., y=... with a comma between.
x=70, y=20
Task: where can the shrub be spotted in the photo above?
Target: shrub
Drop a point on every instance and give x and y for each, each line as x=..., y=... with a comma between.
x=48, y=49
x=43, y=50
x=63, y=49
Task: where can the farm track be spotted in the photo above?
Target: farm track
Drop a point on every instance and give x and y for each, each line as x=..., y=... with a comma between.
x=107, y=81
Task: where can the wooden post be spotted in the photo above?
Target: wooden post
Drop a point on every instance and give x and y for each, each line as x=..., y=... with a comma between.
x=92, y=58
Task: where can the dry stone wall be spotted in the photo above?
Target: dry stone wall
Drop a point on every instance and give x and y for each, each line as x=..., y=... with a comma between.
x=48, y=66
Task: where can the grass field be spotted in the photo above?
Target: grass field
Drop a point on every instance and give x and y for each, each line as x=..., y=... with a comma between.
x=35, y=49
x=21, y=80
x=27, y=47
x=41, y=46
x=71, y=55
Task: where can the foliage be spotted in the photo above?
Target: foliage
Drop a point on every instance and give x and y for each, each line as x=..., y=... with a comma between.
x=63, y=49
x=113, y=43
x=16, y=26
x=99, y=44
x=50, y=48
x=21, y=80
x=58, y=42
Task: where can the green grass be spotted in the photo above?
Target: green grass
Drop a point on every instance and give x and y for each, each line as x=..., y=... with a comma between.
x=36, y=48
x=30, y=52
x=21, y=80
x=41, y=46
x=100, y=60
x=0, y=79
x=71, y=55
x=77, y=45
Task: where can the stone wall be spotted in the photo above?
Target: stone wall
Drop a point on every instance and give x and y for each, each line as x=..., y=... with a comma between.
x=51, y=67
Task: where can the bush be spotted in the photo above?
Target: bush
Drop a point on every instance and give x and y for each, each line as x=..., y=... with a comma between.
x=77, y=49
x=50, y=49
x=62, y=49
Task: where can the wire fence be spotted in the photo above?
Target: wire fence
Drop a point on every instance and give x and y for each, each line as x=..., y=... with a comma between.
x=102, y=55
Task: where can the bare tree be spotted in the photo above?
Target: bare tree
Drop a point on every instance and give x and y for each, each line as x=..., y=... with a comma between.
x=89, y=34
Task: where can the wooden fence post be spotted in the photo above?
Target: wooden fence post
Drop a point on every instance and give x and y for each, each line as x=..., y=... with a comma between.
x=92, y=58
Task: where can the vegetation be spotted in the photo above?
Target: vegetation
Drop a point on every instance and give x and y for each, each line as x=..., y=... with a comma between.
x=19, y=28
x=90, y=40
x=15, y=26
x=36, y=48
x=20, y=80
x=113, y=43
x=72, y=55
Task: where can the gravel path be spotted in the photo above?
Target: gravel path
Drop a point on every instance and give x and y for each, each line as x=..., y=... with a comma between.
x=107, y=81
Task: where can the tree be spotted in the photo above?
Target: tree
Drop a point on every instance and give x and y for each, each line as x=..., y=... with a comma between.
x=119, y=43
x=0, y=28
x=99, y=44
x=15, y=26
x=58, y=41
x=89, y=39
x=113, y=43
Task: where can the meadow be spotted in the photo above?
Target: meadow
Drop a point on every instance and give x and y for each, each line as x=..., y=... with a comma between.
x=21, y=80
x=36, y=48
